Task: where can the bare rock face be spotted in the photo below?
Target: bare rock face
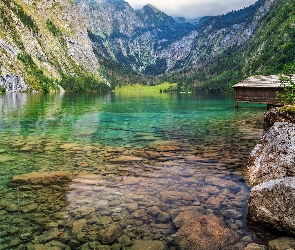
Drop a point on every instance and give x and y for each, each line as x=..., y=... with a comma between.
x=271, y=173
x=273, y=203
x=203, y=232
x=274, y=158
x=13, y=83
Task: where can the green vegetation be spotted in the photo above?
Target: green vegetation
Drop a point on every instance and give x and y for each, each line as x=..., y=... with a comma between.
x=35, y=77
x=55, y=31
x=289, y=108
x=53, y=28
x=2, y=89
x=164, y=87
x=7, y=25
x=270, y=51
x=288, y=97
x=18, y=10
x=83, y=84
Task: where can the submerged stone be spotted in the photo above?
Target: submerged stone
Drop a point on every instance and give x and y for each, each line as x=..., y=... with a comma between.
x=111, y=233
x=149, y=245
x=253, y=246
x=78, y=226
x=284, y=243
x=205, y=232
x=42, y=178
x=30, y=208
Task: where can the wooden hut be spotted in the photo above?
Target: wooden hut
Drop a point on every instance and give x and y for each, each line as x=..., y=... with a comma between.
x=260, y=89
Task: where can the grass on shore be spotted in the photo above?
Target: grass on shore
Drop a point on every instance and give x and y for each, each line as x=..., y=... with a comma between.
x=145, y=88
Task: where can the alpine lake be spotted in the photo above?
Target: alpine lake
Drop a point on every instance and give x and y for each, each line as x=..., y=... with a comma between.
x=137, y=162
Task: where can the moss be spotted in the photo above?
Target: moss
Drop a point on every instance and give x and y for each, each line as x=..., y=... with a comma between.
x=288, y=108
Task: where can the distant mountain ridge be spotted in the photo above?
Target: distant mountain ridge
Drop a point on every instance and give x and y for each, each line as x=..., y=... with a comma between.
x=131, y=38
x=209, y=55
x=152, y=43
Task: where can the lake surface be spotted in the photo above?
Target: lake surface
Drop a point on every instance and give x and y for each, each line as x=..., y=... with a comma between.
x=138, y=160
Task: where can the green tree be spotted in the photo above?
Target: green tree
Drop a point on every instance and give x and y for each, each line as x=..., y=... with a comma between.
x=288, y=96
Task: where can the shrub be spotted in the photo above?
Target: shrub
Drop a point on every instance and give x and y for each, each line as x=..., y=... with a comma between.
x=2, y=89
x=288, y=97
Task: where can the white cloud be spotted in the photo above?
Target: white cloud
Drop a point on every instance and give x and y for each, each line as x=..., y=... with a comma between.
x=193, y=8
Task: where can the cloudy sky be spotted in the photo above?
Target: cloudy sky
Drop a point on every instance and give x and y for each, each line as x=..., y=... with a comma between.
x=193, y=8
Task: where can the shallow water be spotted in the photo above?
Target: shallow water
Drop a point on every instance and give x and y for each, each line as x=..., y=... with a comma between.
x=138, y=161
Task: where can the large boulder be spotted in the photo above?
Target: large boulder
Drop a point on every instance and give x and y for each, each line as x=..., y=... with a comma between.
x=273, y=203
x=274, y=158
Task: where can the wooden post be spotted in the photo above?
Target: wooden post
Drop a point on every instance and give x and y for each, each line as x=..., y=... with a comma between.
x=236, y=104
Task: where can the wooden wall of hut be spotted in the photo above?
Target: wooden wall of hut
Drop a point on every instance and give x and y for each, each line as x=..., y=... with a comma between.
x=258, y=95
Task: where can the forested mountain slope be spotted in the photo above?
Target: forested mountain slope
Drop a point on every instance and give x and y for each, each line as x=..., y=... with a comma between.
x=270, y=50
x=42, y=42
x=149, y=46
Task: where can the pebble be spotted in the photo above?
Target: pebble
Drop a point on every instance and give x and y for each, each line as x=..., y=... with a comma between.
x=247, y=239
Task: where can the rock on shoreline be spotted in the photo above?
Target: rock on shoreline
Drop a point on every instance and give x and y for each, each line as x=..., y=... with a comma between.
x=273, y=202
x=271, y=174
x=274, y=158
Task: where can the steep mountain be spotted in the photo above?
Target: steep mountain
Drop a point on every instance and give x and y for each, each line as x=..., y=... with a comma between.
x=134, y=39
x=209, y=54
x=269, y=50
x=272, y=49
x=79, y=43
x=42, y=42
x=153, y=43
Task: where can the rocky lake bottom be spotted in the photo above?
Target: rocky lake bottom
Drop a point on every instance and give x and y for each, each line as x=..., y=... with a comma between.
x=173, y=193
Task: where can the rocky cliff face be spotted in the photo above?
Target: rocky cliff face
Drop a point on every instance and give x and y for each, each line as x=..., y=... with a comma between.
x=135, y=39
x=153, y=43
x=42, y=39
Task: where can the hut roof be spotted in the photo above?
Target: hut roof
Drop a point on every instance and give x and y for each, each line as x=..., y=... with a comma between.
x=270, y=81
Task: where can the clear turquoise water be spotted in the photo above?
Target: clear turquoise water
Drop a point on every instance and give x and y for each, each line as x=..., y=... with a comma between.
x=88, y=132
